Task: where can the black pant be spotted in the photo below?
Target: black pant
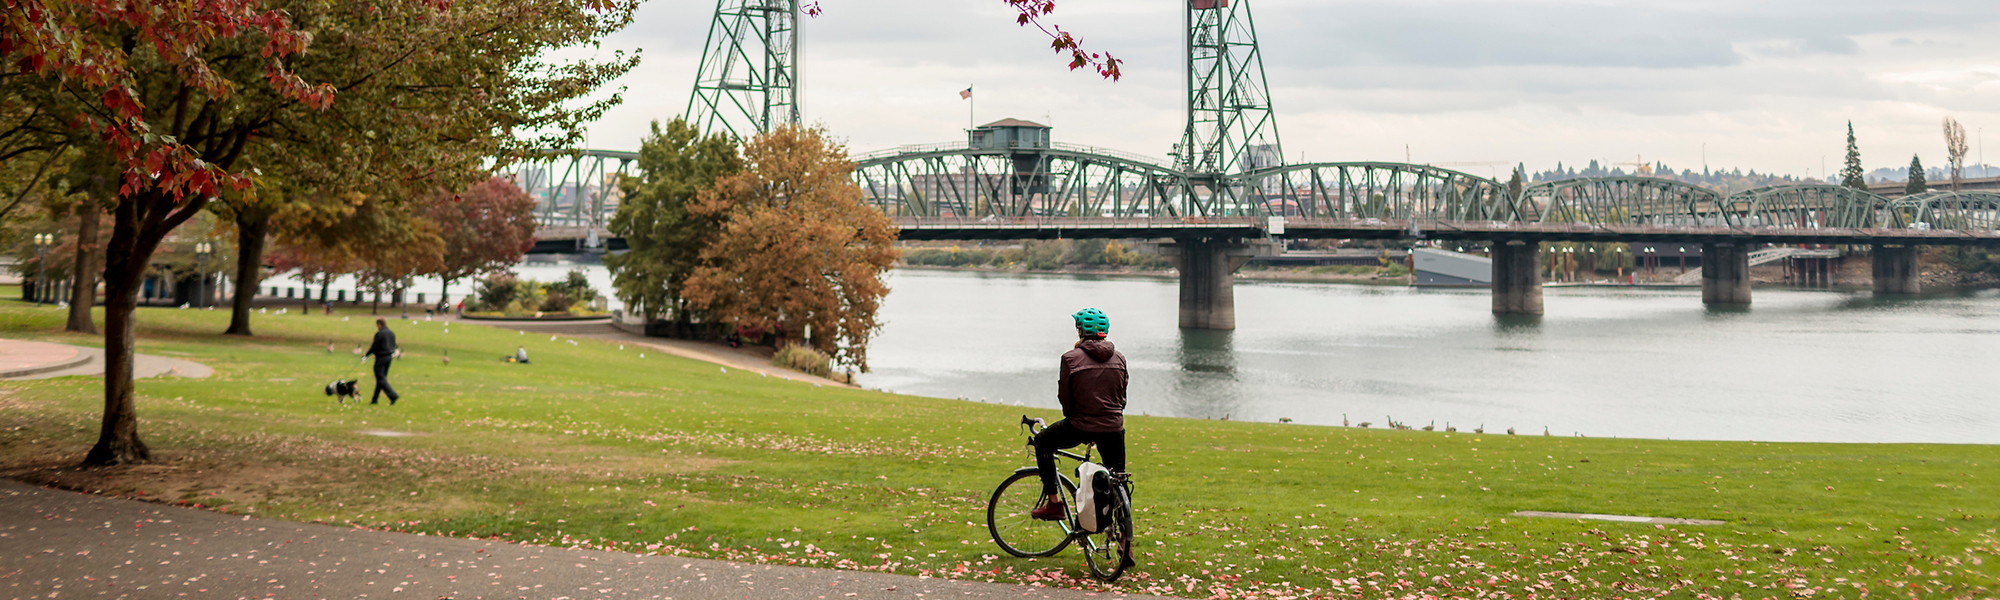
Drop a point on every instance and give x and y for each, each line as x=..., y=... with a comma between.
x=382, y=381
x=1061, y=435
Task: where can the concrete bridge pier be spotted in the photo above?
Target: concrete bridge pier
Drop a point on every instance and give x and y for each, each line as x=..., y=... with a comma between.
x=1208, y=278
x=1895, y=269
x=1725, y=274
x=1517, y=282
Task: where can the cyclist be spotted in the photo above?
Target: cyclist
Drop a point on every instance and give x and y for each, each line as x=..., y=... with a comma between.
x=1091, y=387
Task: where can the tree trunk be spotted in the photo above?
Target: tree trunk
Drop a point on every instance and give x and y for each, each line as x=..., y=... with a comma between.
x=250, y=233
x=125, y=264
x=326, y=287
x=83, y=294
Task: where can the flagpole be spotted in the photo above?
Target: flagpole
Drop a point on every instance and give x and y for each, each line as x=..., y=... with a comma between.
x=972, y=103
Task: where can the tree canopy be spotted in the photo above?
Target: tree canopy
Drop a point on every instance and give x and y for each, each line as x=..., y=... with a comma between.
x=1916, y=184
x=484, y=229
x=1851, y=175
x=798, y=249
x=235, y=99
x=666, y=240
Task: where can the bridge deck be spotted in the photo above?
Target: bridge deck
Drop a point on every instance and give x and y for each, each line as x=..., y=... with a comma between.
x=1243, y=227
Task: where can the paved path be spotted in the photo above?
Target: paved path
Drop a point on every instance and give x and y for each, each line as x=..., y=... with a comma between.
x=19, y=358
x=42, y=360
x=57, y=544
x=745, y=359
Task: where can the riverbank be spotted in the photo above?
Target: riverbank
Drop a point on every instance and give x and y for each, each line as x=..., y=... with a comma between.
x=593, y=446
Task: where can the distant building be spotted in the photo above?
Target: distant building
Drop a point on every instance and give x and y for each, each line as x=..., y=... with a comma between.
x=1009, y=133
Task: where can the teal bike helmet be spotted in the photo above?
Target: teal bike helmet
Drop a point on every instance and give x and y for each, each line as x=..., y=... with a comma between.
x=1092, y=322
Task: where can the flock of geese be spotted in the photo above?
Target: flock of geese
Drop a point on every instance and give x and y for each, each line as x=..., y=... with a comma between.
x=1401, y=426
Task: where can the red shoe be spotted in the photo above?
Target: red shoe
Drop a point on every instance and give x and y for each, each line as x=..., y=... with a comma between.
x=1050, y=511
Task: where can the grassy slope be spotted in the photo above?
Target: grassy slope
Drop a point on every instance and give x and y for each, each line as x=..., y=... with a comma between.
x=593, y=445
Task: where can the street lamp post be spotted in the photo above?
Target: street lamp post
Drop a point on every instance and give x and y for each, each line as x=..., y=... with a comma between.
x=42, y=243
x=201, y=272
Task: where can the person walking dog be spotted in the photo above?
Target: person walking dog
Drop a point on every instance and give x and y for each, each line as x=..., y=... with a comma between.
x=384, y=350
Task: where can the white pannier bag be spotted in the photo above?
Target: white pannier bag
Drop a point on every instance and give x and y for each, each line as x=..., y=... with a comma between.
x=1086, y=495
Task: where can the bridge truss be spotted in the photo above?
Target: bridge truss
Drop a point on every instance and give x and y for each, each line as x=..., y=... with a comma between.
x=1619, y=201
x=575, y=190
x=1805, y=207
x=1946, y=210
x=954, y=181
x=1375, y=190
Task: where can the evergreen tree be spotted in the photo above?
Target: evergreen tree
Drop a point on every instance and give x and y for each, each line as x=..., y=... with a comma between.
x=1916, y=185
x=1852, y=175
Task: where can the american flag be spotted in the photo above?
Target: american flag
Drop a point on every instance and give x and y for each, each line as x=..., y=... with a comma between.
x=967, y=94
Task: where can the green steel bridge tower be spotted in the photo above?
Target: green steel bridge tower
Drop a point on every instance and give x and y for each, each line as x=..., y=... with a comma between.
x=748, y=82
x=1231, y=128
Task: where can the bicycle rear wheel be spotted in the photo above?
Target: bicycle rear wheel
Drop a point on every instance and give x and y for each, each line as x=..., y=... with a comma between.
x=1014, y=529
x=1109, y=551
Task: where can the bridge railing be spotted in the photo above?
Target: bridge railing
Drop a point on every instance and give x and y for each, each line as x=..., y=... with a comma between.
x=1053, y=222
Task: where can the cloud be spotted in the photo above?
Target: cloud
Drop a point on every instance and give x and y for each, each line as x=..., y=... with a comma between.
x=1762, y=82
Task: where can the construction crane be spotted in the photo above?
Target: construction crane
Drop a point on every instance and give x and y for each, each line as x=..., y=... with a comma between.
x=1640, y=167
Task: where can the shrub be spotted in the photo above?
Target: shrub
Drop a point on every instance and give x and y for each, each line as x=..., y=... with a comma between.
x=804, y=360
x=575, y=287
x=1043, y=255
x=556, y=301
x=499, y=290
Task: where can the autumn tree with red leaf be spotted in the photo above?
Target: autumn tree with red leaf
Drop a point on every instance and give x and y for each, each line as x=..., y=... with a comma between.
x=200, y=100
x=485, y=229
x=798, y=247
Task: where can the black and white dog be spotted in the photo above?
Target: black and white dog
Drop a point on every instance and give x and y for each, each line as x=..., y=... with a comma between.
x=344, y=390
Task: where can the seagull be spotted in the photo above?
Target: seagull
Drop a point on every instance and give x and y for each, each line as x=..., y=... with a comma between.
x=642, y=355
x=621, y=346
x=552, y=338
x=725, y=370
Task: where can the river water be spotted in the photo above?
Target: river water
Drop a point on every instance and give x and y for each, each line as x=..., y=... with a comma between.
x=1799, y=365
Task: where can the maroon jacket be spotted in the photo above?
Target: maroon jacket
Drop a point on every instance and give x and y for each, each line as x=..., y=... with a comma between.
x=1091, y=387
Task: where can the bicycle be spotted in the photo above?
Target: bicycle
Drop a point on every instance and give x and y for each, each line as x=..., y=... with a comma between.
x=1108, y=551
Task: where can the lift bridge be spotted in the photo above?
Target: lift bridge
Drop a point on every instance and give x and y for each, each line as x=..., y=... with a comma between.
x=1225, y=191
x=576, y=193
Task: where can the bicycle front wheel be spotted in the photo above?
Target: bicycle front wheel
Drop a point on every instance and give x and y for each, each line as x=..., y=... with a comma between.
x=1019, y=533
x=1109, y=551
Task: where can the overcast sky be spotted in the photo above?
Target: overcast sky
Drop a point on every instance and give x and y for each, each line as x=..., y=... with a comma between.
x=1765, y=85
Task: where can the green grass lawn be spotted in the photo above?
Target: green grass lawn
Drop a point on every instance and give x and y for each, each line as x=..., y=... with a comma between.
x=596, y=446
